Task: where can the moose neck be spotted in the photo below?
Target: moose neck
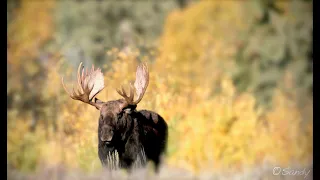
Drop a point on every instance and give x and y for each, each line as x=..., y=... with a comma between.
x=128, y=124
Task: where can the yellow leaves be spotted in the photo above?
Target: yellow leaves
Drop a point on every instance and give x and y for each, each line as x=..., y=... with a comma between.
x=285, y=129
x=284, y=6
x=231, y=125
x=16, y=138
x=229, y=120
x=32, y=27
x=224, y=129
x=227, y=87
x=53, y=150
x=31, y=68
x=23, y=146
x=27, y=32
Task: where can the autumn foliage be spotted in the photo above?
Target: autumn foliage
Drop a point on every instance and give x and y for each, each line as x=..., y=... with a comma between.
x=212, y=125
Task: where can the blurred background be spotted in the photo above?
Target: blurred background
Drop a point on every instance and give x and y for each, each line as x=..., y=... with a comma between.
x=233, y=79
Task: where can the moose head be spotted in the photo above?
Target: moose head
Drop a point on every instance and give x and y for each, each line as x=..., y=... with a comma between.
x=113, y=113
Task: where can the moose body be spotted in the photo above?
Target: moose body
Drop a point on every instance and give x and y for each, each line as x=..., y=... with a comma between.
x=121, y=127
x=130, y=134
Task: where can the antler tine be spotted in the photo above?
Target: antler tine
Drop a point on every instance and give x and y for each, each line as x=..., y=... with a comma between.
x=123, y=93
x=82, y=76
x=131, y=96
x=119, y=92
x=140, y=86
x=74, y=93
x=79, y=77
x=142, y=81
x=89, y=85
x=66, y=88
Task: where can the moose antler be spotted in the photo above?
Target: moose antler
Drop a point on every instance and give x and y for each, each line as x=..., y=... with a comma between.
x=89, y=85
x=140, y=85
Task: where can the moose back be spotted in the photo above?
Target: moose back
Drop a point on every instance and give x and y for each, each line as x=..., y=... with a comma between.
x=122, y=128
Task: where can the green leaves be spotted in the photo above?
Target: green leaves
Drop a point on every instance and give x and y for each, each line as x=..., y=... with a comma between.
x=97, y=26
x=284, y=38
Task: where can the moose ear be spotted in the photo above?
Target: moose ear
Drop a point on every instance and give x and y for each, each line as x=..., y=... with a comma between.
x=98, y=102
x=129, y=109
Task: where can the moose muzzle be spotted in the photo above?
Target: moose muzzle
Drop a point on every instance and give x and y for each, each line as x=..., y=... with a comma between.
x=106, y=134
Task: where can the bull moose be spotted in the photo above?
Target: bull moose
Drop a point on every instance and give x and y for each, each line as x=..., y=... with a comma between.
x=122, y=127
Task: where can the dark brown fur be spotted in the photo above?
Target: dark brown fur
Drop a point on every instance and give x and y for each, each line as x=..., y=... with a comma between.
x=128, y=131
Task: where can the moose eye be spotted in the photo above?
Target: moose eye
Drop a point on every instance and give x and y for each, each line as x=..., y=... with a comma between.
x=101, y=117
